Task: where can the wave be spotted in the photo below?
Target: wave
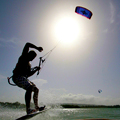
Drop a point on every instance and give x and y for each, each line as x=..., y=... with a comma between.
x=12, y=105
x=59, y=105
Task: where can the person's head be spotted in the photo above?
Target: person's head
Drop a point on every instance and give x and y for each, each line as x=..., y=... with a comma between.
x=31, y=55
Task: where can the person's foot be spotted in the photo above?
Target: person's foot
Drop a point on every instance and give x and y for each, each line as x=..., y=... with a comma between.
x=41, y=108
x=30, y=111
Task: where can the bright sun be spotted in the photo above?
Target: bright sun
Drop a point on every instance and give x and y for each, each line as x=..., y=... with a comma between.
x=67, y=30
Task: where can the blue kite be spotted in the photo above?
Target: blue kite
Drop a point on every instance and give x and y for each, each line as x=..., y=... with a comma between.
x=99, y=91
x=84, y=12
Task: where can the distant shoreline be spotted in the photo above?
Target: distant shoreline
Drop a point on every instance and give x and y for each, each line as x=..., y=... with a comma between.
x=12, y=105
x=63, y=105
x=88, y=106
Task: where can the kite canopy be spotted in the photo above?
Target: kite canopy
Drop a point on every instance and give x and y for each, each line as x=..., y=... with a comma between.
x=84, y=12
x=99, y=90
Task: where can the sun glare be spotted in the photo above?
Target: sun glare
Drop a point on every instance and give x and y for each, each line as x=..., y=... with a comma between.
x=67, y=30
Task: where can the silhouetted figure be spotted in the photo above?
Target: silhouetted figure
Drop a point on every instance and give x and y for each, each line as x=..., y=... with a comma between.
x=21, y=73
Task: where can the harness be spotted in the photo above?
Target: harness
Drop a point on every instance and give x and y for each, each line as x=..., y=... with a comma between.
x=9, y=81
x=40, y=64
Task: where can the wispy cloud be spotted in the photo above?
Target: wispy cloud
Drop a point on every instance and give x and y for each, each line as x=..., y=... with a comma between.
x=112, y=8
x=13, y=40
x=64, y=97
x=2, y=77
x=10, y=41
x=85, y=99
x=105, y=31
x=2, y=40
x=40, y=82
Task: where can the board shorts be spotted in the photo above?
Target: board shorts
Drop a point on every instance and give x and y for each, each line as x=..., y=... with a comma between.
x=23, y=82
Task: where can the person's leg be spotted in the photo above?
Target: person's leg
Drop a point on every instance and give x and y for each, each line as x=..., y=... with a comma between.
x=28, y=98
x=27, y=85
x=35, y=98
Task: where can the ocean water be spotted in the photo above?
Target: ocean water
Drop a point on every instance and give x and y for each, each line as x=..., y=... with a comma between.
x=63, y=114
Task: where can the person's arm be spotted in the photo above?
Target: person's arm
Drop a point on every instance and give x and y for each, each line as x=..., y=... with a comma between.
x=33, y=71
x=30, y=45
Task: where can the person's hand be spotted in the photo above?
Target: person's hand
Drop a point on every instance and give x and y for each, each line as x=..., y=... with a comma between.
x=40, y=49
x=37, y=68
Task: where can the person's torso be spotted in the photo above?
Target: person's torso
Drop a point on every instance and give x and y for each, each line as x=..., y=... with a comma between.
x=23, y=67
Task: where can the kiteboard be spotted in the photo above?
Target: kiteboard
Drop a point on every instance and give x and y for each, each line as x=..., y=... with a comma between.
x=28, y=116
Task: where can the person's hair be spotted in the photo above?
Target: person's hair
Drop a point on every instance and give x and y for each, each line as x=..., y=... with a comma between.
x=32, y=54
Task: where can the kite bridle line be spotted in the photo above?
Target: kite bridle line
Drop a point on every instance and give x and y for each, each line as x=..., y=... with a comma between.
x=41, y=61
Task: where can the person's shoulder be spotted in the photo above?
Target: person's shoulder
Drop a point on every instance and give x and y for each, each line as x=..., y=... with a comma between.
x=23, y=58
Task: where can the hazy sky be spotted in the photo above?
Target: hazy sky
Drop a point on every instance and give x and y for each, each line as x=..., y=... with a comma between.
x=86, y=59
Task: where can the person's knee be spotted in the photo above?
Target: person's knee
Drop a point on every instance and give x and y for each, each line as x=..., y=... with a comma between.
x=36, y=90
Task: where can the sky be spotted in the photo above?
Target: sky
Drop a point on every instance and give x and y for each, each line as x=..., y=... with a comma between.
x=86, y=57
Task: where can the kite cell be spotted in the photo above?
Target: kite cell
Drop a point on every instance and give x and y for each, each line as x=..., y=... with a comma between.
x=99, y=91
x=84, y=12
